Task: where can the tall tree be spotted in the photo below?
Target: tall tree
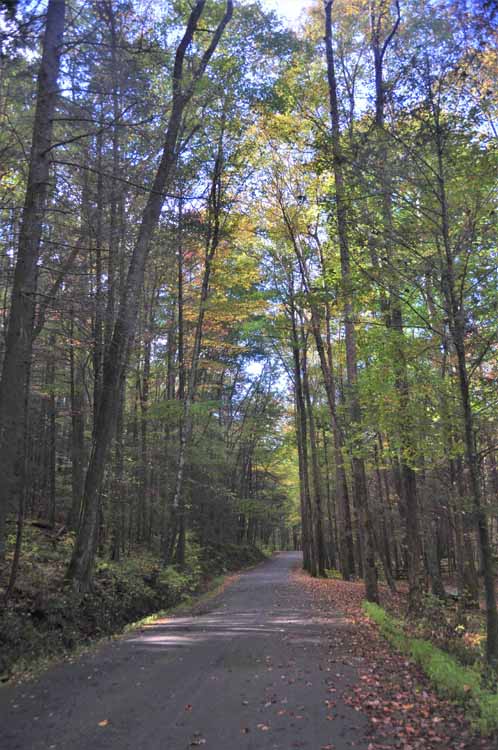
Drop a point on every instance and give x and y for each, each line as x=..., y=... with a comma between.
x=14, y=383
x=81, y=567
x=384, y=26
x=359, y=477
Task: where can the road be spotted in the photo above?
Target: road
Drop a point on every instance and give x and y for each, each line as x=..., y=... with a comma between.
x=254, y=673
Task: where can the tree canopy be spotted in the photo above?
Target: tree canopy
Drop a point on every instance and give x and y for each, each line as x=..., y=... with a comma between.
x=249, y=286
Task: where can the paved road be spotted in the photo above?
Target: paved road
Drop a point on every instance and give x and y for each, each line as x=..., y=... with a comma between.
x=255, y=673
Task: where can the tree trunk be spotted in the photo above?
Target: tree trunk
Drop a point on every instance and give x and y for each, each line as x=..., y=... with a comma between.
x=77, y=430
x=52, y=436
x=317, y=511
x=332, y=561
x=118, y=492
x=80, y=570
x=145, y=499
x=346, y=546
x=309, y=555
x=383, y=543
x=358, y=466
x=19, y=341
x=468, y=582
x=456, y=315
x=212, y=243
x=98, y=322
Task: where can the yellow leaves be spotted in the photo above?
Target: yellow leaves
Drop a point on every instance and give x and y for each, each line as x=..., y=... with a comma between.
x=9, y=180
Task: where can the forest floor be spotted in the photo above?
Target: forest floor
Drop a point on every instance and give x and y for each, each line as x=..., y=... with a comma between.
x=280, y=661
x=403, y=709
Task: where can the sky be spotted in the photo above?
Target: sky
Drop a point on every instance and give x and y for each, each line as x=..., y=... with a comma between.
x=288, y=9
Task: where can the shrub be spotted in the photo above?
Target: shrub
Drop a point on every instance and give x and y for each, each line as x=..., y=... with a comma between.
x=172, y=586
x=46, y=617
x=333, y=573
x=488, y=713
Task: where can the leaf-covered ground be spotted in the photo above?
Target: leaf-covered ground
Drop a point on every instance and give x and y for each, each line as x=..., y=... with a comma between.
x=403, y=710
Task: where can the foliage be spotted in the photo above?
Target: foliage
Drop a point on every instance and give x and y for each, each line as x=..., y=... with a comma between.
x=48, y=619
x=314, y=361
x=334, y=574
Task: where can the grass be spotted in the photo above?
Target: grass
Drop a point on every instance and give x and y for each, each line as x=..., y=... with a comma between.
x=462, y=684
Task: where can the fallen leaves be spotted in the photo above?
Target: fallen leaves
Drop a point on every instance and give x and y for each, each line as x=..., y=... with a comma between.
x=403, y=710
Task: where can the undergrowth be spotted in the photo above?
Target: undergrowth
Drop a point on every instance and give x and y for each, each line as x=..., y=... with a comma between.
x=333, y=574
x=463, y=684
x=45, y=618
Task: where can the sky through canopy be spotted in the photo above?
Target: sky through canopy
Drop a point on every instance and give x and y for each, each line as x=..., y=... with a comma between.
x=288, y=9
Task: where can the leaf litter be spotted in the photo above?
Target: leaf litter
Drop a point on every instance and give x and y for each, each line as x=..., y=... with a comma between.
x=403, y=710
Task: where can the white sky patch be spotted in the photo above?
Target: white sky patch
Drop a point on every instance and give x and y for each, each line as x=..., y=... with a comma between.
x=290, y=10
x=254, y=369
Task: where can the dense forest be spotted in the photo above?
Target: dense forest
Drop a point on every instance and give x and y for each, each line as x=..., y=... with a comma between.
x=248, y=282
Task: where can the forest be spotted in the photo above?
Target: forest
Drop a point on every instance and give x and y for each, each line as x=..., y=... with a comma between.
x=249, y=295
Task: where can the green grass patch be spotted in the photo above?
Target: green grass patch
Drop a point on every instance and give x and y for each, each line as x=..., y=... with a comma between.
x=450, y=679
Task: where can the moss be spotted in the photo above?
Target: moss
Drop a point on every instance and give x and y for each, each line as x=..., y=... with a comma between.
x=450, y=679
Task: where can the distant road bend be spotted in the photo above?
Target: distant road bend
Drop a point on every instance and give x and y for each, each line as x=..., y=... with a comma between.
x=255, y=673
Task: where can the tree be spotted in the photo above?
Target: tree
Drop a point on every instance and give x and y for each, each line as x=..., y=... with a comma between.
x=359, y=477
x=14, y=384
x=81, y=567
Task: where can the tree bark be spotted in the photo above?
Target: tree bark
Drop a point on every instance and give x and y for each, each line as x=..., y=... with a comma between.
x=77, y=431
x=317, y=510
x=19, y=341
x=309, y=551
x=52, y=434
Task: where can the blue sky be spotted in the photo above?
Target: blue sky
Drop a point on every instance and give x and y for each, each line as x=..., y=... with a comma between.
x=289, y=9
